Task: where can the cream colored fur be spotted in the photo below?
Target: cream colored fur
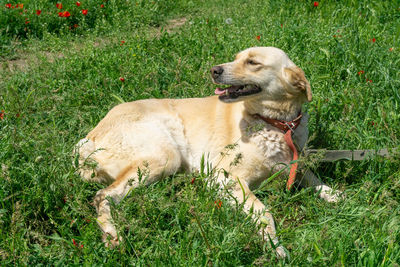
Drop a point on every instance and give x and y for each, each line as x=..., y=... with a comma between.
x=164, y=136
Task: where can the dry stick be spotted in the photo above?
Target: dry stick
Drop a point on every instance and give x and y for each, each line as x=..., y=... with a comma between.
x=201, y=228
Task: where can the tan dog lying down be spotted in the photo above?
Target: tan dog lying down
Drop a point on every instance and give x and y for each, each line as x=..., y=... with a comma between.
x=167, y=135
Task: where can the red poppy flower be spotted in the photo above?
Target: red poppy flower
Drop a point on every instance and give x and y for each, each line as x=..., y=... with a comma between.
x=38, y=12
x=218, y=204
x=193, y=179
x=19, y=6
x=258, y=37
x=373, y=40
x=59, y=5
x=26, y=22
x=74, y=242
x=122, y=42
x=281, y=25
x=369, y=81
x=334, y=36
x=84, y=11
x=316, y=3
x=64, y=14
x=78, y=3
x=391, y=49
x=122, y=79
x=101, y=5
x=360, y=72
x=76, y=26
x=2, y=115
x=8, y=5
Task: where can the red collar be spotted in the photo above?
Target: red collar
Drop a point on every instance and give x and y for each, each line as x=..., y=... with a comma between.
x=280, y=124
x=288, y=128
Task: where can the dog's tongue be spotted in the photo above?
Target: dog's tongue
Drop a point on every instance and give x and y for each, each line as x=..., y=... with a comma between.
x=219, y=91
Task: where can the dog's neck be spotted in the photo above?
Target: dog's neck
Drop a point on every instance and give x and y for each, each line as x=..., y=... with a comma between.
x=286, y=110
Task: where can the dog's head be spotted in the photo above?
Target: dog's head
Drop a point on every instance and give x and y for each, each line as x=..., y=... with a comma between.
x=261, y=72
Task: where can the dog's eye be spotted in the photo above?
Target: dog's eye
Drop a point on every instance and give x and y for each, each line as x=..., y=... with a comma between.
x=252, y=62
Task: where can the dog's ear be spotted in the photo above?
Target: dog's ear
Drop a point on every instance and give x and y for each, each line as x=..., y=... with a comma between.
x=296, y=78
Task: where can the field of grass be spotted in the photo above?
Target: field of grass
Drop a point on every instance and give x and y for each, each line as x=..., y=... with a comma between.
x=57, y=81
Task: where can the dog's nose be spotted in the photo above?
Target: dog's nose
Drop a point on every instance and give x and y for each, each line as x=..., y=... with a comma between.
x=216, y=71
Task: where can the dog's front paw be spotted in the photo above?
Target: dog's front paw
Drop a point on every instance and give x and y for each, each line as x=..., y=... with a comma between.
x=280, y=252
x=330, y=195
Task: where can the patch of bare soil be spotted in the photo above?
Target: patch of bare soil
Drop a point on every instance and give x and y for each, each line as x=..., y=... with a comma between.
x=175, y=23
x=25, y=59
x=22, y=63
x=171, y=26
x=14, y=65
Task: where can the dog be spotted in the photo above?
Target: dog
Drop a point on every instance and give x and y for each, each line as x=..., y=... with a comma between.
x=165, y=136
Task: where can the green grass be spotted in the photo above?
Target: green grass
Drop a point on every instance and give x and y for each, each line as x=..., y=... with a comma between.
x=55, y=87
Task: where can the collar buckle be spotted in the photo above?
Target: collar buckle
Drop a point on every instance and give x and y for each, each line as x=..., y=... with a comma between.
x=290, y=125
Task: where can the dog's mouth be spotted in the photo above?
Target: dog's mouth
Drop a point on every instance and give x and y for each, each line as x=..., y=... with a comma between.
x=235, y=91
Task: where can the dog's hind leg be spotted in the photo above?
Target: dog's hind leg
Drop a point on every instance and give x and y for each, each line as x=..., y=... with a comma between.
x=149, y=169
